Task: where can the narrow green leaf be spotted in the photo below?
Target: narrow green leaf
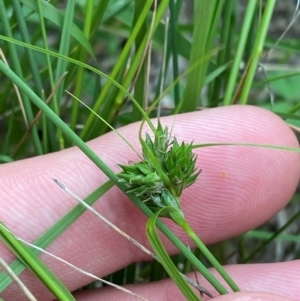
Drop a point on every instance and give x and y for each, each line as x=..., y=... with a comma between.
x=173, y=45
x=28, y=118
x=257, y=51
x=140, y=86
x=83, y=55
x=54, y=15
x=238, y=56
x=81, y=145
x=209, y=256
x=117, y=67
x=30, y=260
x=64, y=48
x=30, y=55
x=164, y=258
x=204, y=30
x=56, y=230
x=272, y=237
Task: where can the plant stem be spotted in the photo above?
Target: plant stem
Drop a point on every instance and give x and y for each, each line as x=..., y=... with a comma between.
x=202, y=247
x=257, y=50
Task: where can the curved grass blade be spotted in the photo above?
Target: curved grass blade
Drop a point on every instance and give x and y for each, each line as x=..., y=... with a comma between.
x=30, y=260
x=278, y=147
x=28, y=117
x=86, y=66
x=83, y=56
x=164, y=258
x=105, y=122
x=114, y=178
x=159, y=13
x=64, y=47
x=206, y=21
x=55, y=231
x=40, y=250
x=257, y=50
x=205, y=251
x=272, y=238
x=135, y=30
x=29, y=53
x=54, y=15
x=234, y=70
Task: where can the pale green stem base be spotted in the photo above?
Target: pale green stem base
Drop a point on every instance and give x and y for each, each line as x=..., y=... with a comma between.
x=180, y=220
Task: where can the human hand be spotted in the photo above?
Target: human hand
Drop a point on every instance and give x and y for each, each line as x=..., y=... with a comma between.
x=239, y=189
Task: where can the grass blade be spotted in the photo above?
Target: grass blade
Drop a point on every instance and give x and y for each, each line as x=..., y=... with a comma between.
x=30, y=260
x=28, y=118
x=257, y=51
x=165, y=258
x=55, y=231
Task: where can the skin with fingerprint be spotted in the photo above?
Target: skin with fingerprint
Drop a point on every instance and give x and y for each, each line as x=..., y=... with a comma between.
x=259, y=182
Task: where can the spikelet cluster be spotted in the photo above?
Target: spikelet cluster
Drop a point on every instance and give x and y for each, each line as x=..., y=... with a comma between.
x=161, y=186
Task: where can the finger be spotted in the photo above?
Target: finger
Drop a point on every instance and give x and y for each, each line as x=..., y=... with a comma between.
x=239, y=188
x=261, y=282
x=252, y=297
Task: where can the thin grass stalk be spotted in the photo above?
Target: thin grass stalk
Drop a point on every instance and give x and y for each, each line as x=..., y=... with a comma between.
x=263, y=234
x=62, y=64
x=165, y=259
x=203, y=23
x=38, y=115
x=25, y=36
x=160, y=251
x=140, y=53
x=45, y=45
x=90, y=154
x=17, y=280
x=55, y=16
x=56, y=230
x=163, y=71
x=64, y=47
x=205, y=251
x=114, y=104
x=98, y=15
x=252, y=35
x=111, y=108
x=179, y=219
x=257, y=51
x=83, y=55
x=141, y=79
x=47, y=129
x=272, y=238
x=238, y=56
x=173, y=44
x=35, y=265
x=9, y=131
x=212, y=37
x=121, y=61
x=217, y=86
x=28, y=118
x=242, y=249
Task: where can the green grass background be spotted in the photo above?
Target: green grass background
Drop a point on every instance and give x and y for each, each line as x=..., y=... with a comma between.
x=203, y=54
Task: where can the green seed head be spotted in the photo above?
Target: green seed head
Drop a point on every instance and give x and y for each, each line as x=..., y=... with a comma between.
x=161, y=186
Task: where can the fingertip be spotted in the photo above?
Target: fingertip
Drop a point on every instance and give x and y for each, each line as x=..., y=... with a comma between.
x=239, y=185
x=251, y=296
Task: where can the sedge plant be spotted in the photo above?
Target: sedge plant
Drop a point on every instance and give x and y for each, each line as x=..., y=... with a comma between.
x=166, y=167
x=164, y=189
